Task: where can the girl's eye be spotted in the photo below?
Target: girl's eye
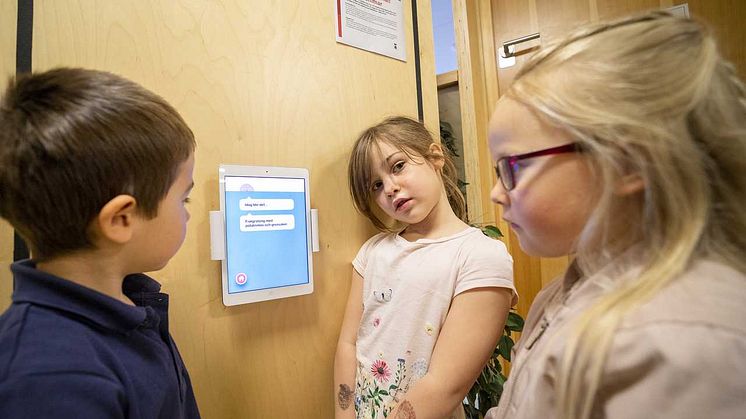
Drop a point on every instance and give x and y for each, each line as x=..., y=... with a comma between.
x=376, y=185
x=521, y=164
x=396, y=168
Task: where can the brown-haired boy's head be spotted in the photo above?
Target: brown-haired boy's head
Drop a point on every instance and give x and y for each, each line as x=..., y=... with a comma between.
x=71, y=140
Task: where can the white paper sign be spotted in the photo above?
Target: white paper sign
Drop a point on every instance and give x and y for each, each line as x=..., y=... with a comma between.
x=372, y=25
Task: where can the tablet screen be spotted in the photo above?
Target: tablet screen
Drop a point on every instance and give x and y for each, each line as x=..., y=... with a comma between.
x=266, y=233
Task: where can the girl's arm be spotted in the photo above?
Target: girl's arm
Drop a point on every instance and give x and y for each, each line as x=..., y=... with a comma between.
x=345, y=360
x=469, y=335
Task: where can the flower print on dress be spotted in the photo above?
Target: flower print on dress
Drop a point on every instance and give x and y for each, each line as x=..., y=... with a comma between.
x=379, y=388
x=380, y=371
x=376, y=321
x=419, y=368
x=429, y=329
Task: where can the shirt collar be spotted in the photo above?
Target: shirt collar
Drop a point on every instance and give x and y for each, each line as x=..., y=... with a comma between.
x=615, y=273
x=44, y=289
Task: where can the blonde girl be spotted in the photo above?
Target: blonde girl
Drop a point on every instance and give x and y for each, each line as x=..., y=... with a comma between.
x=429, y=294
x=624, y=145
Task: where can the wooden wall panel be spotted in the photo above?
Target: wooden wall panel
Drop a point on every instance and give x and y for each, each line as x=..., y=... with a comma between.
x=558, y=18
x=478, y=93
x=260, y=83
x=471, y=90
x=513, y=19
x=726, y=17
x=612, y=9
x=427, y=65
x=8, y=16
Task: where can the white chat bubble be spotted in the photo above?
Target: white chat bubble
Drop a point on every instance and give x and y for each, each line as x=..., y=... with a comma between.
x=249, y=204
x=250, y=222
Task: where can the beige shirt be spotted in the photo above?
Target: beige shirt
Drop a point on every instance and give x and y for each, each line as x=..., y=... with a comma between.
x=682, y=355
x=407, y=291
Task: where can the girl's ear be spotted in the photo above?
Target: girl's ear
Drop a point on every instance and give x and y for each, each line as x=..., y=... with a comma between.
x=115, y=221
x=438, y=161
x=629, y=184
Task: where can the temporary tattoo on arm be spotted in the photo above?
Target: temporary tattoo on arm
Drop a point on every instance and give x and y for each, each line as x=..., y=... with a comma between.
x=344, y=397
x=405, y=411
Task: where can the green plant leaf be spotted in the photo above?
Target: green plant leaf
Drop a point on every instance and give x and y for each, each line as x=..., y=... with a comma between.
x=514, y=322
x=505, y=345
x=492, y=231
x=501, y=380
x=447, y=138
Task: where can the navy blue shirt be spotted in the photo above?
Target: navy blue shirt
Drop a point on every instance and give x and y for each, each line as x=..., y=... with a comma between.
x=67, y=351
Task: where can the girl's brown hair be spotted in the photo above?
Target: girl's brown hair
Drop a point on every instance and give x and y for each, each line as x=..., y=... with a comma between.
x=414, y=140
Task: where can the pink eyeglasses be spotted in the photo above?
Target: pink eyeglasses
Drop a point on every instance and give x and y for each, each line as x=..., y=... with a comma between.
x=506, y=166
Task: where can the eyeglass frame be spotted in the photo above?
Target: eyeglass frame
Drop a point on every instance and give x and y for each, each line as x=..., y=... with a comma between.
x=508, y=162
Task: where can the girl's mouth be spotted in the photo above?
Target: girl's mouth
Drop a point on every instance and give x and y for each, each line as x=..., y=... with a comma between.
x=399, y=203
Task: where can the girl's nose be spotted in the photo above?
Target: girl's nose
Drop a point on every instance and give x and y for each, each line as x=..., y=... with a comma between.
x=390, y=187
x=499, y=195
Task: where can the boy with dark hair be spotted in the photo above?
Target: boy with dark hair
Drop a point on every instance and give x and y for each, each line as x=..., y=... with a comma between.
x=95, y=171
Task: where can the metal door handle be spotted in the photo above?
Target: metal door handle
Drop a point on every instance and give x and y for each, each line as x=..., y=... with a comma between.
x=509, y=46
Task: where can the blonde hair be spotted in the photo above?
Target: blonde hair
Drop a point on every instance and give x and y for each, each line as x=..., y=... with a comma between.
x=414, y=140
x=646, y=96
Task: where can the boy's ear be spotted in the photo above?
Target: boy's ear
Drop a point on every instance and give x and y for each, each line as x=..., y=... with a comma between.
x=629, y=184
x=116, y=218
x=437, y=151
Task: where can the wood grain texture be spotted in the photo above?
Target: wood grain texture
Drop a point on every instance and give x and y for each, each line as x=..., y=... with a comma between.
x=483, y=41
x=427, y=64
x=726, y=18
x=260, y=83
x=8, y=17
x=478, y=92
x=447, y=80
x=470, y=105
x=612, y=9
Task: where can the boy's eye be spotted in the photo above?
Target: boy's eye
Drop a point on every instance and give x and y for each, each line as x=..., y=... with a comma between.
x=398, y=166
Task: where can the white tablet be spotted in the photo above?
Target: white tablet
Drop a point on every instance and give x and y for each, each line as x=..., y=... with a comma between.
x=266, y=219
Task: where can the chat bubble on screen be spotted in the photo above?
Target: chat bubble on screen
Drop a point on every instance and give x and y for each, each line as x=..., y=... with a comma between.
x=250, y=222
x=249, y=204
